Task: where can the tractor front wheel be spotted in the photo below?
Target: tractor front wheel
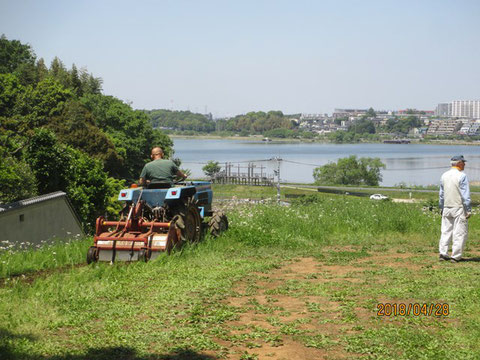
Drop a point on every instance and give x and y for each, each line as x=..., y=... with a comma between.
x=92, y=255
x=218, y=223
x=144, y=255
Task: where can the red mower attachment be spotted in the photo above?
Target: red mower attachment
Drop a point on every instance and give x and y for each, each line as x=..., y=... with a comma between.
x=133, y=239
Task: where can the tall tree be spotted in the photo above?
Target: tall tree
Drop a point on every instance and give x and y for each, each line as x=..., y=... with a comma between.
x=42, y=70
x=59, y=72
x=350, y=171
x=13, y=54
x=371, y=113
x=75, y=82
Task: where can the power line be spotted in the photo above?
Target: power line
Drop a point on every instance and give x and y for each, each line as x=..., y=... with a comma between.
x=319, y=165
x=232, y=162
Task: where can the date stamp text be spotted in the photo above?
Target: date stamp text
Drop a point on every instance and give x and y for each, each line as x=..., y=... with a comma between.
x=415, y=309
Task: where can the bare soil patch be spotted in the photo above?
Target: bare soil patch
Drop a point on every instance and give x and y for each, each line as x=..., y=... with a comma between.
x=299, y=311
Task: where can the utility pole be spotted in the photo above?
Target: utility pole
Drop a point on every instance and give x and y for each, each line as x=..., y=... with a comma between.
x=277, y=172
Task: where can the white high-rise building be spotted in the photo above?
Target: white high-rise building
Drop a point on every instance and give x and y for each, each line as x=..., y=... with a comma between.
x=460, y=108
x=466, y=108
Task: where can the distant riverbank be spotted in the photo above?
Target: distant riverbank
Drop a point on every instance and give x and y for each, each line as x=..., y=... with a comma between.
x=321, y=141
x=245, y=138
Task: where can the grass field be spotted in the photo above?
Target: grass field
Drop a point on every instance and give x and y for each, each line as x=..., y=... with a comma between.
x=299, y=282
x=288, y=190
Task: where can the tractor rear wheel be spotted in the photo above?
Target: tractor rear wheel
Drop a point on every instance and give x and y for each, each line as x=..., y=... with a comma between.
x=189, y=222
x=218, y=223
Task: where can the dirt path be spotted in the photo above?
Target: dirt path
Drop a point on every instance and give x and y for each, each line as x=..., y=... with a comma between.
x=301, y=310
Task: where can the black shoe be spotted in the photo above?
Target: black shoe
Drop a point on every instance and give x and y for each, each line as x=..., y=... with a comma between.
x=443, y=257
x=455, y=260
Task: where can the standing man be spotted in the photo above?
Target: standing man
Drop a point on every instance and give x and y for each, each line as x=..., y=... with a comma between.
x=159, y=173
x=454, y=201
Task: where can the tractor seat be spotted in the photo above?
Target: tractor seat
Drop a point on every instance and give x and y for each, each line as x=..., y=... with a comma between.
x=159, y=185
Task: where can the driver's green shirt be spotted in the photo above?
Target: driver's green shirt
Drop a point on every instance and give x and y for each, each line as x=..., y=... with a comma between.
x=159, y=171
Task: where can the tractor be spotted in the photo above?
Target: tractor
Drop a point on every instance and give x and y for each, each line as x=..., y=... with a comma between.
x=154, y=220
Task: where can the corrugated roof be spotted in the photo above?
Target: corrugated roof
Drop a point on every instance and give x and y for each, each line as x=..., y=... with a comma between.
x=31, y=201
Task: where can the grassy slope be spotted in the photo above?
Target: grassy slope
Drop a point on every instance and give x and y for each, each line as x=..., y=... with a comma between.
x=175, y=304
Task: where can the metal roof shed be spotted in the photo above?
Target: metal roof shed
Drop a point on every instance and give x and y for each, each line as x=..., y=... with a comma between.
x=38, y=220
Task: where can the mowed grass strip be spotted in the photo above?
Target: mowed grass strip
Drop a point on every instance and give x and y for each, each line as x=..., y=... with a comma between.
x=179, y=304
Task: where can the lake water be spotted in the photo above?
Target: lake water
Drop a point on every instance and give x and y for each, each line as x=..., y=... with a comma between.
x=411, y=164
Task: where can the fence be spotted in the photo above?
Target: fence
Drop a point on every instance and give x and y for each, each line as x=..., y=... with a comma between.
x=235, y=174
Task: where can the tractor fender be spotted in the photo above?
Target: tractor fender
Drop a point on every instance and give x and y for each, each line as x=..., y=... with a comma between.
x=180, y=193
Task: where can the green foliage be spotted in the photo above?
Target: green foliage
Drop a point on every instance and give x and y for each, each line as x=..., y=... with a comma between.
x=113, y=206
x=350, y=171
x=340, y=137
x=10, y=88
x=362, y=126
x=403, y=125
x=88, y=188
x=76, y=126
x=37, y=104
x=256, y=122
x=271, y=124
x=49, y=162
x=280, y=133
x=18, y=59
x=129, y=130
x=60, y=167
x=79, y=82
x=371, y=113
x=13, y=53
x=17, y=181
x=211, y=168
x=180, y=120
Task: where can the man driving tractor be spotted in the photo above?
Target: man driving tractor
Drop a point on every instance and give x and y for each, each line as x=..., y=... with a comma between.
x=159, y=173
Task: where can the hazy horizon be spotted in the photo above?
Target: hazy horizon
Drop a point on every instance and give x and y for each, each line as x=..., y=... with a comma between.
x=229, y=58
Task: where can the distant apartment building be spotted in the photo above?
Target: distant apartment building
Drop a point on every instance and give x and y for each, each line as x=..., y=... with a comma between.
x=466, y=125
x=444, y=127
x=460, y=108
x=415, y=112
x=444, y=109
x=305, y=117
x=470, y=127
x=348, y=112
x=474, y=128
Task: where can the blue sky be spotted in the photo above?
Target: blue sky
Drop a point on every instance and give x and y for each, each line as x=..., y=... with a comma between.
x=231, y=57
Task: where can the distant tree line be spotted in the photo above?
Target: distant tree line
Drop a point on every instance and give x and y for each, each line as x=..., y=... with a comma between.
x=251, y=123
x=59, y=132
x=180, y=120
x=257, y=122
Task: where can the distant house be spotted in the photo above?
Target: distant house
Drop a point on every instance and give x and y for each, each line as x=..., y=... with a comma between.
x=38, y=220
